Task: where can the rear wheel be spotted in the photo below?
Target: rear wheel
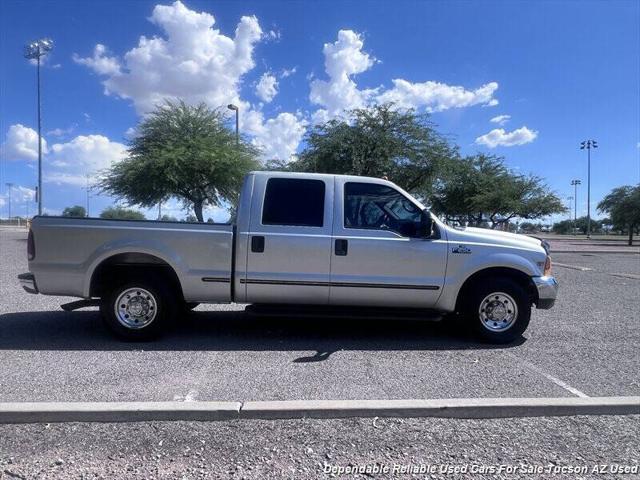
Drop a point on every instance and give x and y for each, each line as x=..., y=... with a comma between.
x=138, y=310
x=498, y=310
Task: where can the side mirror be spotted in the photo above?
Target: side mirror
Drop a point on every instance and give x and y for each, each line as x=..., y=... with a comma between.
x=426, y=225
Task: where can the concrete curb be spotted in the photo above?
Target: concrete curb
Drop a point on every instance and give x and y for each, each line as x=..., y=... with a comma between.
x=207, y=411
x=52, y=412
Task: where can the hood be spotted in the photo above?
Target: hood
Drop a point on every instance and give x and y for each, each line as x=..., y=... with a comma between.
x=486, y=235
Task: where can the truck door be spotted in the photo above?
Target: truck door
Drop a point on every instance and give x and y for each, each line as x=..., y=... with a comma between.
x=289, y=241
x=377, y=257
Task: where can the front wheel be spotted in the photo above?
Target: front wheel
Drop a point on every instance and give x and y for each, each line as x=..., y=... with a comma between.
x=498, y=310
x=137, y=310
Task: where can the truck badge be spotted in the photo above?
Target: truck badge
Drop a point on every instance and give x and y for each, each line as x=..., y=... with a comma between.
x=461, y=249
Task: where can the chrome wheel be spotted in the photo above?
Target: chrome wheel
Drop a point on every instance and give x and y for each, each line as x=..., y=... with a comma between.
x=498, y=312
x=136, y=308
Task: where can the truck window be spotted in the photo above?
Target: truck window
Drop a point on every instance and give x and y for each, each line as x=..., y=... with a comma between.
x=295, y=202
x=378, y=207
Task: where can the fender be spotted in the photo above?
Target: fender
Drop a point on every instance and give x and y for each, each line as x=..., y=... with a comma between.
x=464, y=266
x=149, y=247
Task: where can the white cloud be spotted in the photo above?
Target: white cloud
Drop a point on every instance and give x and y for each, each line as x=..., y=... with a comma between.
x=267, y=87
x=501, y=119
x=193, y=61
x=278, y=137
x=20, y=199
x=436, y=96
x=61, y=132
x=342, y=60
x=345, y=58
x=499, y=137
x=100, y=62
x=287, y=72
x=82, y=155
x=21, y=143
x=131, y=133
x=273, y=35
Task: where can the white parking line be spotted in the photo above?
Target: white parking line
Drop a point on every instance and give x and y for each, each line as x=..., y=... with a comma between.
x=548, y=376
x=572, y=267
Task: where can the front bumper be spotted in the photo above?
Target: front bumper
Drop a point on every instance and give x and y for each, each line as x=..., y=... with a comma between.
x=28, y=282
x=547, y=291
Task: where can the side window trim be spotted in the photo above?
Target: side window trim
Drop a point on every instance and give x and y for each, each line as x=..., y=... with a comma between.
x=344, y=211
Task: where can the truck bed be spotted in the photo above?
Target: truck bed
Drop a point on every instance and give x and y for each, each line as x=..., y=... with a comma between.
x=68, y=251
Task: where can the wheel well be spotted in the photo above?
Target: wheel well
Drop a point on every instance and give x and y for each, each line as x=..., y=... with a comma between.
x=126, y=265
x=517, y=276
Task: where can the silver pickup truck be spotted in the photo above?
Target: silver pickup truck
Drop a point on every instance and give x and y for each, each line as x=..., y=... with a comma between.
x=316, y=241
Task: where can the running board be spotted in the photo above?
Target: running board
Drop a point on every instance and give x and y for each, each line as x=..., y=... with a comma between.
x=71, y=306
x=324, y=311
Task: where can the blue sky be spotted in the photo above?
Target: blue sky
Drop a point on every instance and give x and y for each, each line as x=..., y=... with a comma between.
x=561, y=71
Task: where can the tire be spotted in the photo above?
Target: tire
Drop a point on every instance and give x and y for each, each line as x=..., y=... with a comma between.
x=497, y=310
x=139, y=309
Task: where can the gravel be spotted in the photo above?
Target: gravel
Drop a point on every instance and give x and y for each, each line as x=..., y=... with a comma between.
x=303, y=449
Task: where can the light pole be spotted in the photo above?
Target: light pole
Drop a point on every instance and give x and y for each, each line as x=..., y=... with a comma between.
x=35, y=51
x=575, y=184
x=9, y=189
x=87, y=188
x=588, y=145
x=235, y=108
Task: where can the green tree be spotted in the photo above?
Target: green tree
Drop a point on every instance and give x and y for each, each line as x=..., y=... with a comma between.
x=622, y=205
x=168, y=218
x=182, y=151
x=121, y=213
x=480, y=188
x=75, y=211
x=380, y=141
x=579, y=225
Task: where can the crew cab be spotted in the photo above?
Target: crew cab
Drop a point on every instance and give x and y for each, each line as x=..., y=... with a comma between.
x=314, y=241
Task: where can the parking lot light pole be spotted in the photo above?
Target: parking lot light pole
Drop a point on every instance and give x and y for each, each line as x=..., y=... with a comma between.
x=575, y=184
x=9, y=188
x=588, y=145
x=35, y=51
x=235, y=108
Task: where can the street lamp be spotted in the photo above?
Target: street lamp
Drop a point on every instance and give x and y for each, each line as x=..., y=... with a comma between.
x=35, y=51
x=88, y=191
x=588, y=145
x=575, y=184
x=233, y=107
x=9, y=188
x=570, y=198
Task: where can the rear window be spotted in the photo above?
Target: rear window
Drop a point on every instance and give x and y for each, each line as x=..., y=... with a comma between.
x=295, y=202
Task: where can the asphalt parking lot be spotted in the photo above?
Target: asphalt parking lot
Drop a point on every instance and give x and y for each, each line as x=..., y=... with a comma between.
x=586, y=345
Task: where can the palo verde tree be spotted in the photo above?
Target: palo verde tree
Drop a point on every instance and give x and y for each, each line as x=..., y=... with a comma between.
x=622, y=205
x=379, y=141
x=182, y=151
x=480, y=188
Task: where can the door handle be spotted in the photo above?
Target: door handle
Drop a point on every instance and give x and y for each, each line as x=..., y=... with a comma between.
x=342, y=247
x=257, y=244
